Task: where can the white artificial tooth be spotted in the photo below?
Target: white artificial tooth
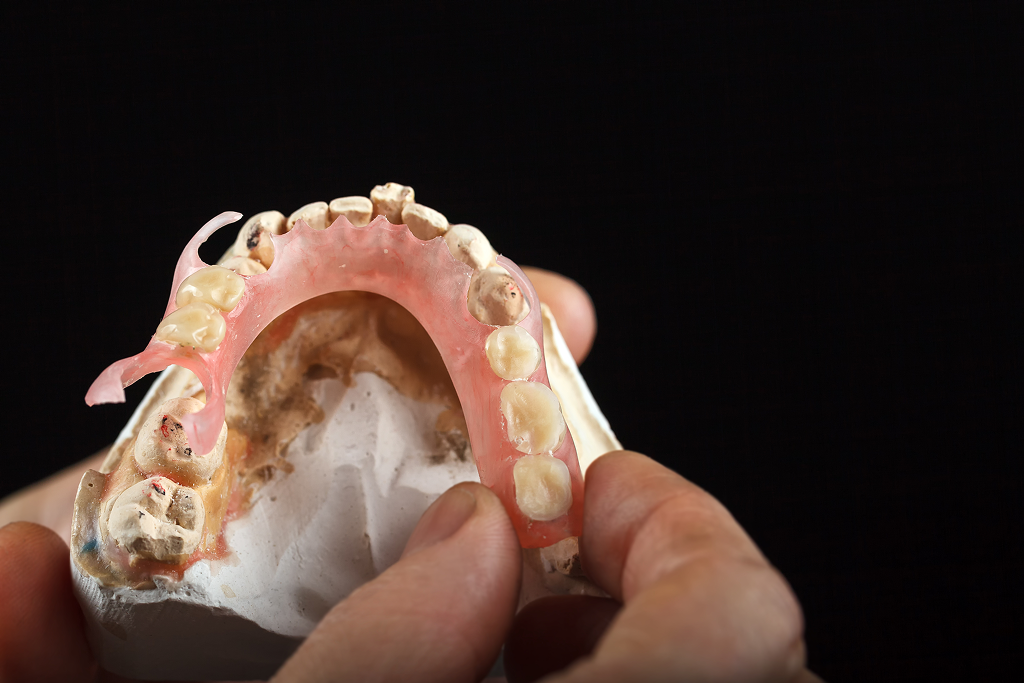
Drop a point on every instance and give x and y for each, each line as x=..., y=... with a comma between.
x=315, y=215
x=469, y=245
x=214, y=285
x=424, y=222
x=358, y=210
x=495, y=298
x=533, y=418
x=390, y=199
x=157, y=519
x=162, y=446
x=543, y=487
x=243, y=265
x=512, y=352
x=253, y=239
x=198, y=325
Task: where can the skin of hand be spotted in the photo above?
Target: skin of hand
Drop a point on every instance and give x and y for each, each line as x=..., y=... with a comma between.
x=692, y=597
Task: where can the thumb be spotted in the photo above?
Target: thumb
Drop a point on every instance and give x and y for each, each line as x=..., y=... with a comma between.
x=440, y=613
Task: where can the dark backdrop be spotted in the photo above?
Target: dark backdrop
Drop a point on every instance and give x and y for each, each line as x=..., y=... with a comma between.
x=800, y=228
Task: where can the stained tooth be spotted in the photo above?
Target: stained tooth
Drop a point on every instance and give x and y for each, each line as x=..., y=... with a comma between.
x=533, y=419
x=315, y=215
x=358, y=210
x=543, y=487
x=423, y=221
x=512, y=352
x=253, y=240
x=244, y=265
x=157, y=519
x=214, y=285
x=390, y=199
x=469, y=245
x=162, y=446
x=198, y=325
x=495, y=298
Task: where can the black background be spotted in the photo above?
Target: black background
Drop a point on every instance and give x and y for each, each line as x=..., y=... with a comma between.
x=801, y=228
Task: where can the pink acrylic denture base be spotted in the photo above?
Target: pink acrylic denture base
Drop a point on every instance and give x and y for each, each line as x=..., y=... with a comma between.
x=384, y=259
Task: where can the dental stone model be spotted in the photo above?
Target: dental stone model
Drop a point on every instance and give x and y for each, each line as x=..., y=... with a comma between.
x=333, y=375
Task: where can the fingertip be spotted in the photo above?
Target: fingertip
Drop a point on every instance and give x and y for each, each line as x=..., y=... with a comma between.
x=572, y=307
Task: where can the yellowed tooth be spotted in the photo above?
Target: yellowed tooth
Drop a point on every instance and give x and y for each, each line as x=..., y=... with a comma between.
x=358, y=210
x=197, y=324
x=162, y=446
x=390, y=199
x=214, y=285
x=244, y=265
x=469, y=245
x=253, y=239
x=543, y=487
x=495, y=299
x=512, y=352
x=533, y=418
x=423, y=221
x=315, y=215
x=157, y=519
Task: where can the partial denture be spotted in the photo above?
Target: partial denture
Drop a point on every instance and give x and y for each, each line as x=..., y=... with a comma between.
x=456, y=286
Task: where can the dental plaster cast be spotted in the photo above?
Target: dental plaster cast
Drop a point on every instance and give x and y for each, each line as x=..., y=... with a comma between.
x=323, y=385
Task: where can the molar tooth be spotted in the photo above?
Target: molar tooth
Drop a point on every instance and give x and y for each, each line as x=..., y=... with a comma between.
x=243, y=265
x=469, y=245
x=358, y=210
x=543, y=487
x=253, y=239
x=315, y=215
x=533, y=418
x=495, y=298
x=214, y=285
x=512, y=352
x=198, y=325
x=163, y=447
x=424, y=222
x=157, y=519
x=390, y=199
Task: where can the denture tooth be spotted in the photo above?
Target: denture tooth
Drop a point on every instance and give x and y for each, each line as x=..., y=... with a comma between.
x=512, y=352
x=198, y=325
x=390, y=199
x=157, y=519
x=543, y=487
x=495, y=298
x=243, y=265
x=315, y=215
x=358, y=210
x=424, y=222
x=533, y=418
x=469, y=245
x=253, y=239
x=214, y=285
x=162, y=445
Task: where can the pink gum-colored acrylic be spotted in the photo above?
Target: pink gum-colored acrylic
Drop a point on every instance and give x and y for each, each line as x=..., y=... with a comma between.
x=384, y=259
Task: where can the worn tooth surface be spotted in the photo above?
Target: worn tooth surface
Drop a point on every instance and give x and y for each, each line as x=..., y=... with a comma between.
x=389, y=200
x=512, y=352
x=162, y=446
x=253, y=240
x=543, y=487
x=214, y=285
x=198, y=325
x=469, y=245
x=424, y=222
x=533, y=418
x=243, y=265
x=315, y=215
x=358, y=210
x=495, y=299
x=157, y=519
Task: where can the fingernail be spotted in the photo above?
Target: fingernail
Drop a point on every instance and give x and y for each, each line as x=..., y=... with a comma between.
x=442, y=519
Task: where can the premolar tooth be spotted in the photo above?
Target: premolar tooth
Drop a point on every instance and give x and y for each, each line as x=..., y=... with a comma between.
x=390, y=199
x=495, y=298
x=543, y=487
x=253, y=239
x=243, y=265
x=315, y=215
x=512, y=352
x=358, y=210
x=198, y=325
x=157, y=519
x=469, y=245
x=214, y=285
x=424, y=222
x=162, y=446
x=533, y=418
